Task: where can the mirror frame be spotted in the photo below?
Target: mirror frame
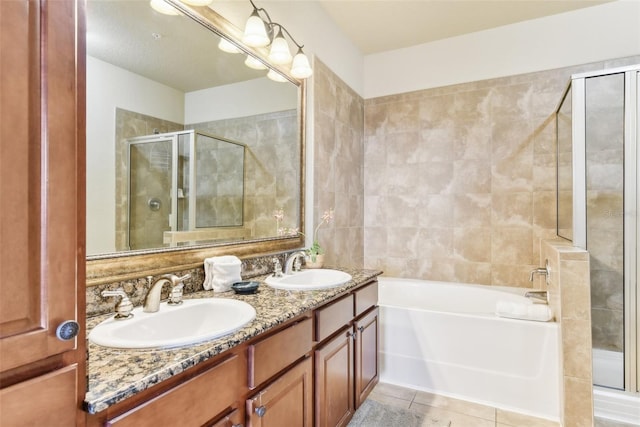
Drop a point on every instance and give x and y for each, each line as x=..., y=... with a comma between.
x=115, y=267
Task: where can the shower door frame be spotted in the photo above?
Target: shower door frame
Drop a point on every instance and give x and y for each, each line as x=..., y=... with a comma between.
x=173, y=193
x=631, y=185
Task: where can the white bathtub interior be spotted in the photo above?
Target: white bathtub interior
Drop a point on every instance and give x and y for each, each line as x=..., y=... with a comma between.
x=445, y=338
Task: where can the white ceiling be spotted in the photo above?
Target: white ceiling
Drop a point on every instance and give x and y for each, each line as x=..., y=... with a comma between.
x=381, y=25
x=185, y=56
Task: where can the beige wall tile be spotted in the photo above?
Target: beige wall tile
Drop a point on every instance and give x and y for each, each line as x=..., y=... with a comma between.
x=578, y=402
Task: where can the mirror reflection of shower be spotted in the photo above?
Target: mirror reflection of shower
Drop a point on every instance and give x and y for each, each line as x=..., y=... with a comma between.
x=176, y=197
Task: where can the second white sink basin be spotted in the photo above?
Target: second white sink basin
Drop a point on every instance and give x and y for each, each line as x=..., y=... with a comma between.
x=307, y=280
x=193, y=321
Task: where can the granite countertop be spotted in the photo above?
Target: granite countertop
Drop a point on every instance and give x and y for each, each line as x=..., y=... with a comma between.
x=114, y=375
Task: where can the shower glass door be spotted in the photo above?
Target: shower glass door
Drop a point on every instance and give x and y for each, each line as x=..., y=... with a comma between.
x=604, y=129
x=150, y=182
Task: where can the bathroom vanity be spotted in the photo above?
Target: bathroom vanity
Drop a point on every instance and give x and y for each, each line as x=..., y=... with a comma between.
x=308, y=358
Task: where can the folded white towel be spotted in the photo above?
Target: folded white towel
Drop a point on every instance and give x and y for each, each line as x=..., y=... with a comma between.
x=221, y=272
x=524, y=311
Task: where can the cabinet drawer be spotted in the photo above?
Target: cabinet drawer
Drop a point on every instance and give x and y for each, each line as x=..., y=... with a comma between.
x=333, y=317
x=193, y=402
x=366, y=297
x=42, y=401
x=232, y=419
x=270, y=355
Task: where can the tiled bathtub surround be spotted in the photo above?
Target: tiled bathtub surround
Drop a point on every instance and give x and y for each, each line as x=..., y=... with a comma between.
x=570, y=300
x=460, y=180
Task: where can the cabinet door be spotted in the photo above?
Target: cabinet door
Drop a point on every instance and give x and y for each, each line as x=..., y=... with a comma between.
x=285, y=402
x=366, y=355
x=41, y=179
x=334, y=380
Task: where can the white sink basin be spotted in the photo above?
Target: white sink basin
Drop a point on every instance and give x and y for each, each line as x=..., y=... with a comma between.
x=191, y=322
x=308, y=280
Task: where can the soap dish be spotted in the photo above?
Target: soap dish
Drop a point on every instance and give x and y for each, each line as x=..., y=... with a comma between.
x=244, y=288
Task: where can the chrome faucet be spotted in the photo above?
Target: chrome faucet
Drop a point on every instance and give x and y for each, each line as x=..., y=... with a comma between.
x=152, y=300
x=293, y=263
x=538, y=295
x=541, y=270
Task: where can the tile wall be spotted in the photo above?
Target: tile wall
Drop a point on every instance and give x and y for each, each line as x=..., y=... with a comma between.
x=338, y=126
x=459, y=181
x=570, y=300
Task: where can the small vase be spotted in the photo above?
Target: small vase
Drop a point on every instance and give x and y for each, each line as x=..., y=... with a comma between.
x=317, y=264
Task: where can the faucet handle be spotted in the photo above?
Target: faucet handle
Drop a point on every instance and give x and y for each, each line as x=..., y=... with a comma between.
x=123, y=307
x=277, y=268
x=175, y=296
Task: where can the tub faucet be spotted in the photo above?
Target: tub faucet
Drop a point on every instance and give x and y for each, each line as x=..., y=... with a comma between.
x=152, y=300
x=541, y=270
x=542, y=296
x=293, y=263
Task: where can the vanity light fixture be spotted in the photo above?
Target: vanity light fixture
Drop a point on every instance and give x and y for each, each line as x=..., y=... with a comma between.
x=163, y=7
x=198, y=2
x=260, y=31
x=252, y=62
x=226, y=46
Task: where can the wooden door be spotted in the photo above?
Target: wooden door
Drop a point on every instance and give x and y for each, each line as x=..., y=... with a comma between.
x=285, y=402
x=334, y=380
x=42, y=205
x=366, y=365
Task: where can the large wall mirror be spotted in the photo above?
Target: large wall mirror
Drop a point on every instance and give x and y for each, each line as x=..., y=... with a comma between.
x=189, y=151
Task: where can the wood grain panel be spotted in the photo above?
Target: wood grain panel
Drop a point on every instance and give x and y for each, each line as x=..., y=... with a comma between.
x=272, y=354
x=332, y=317
x=366, y=297
x=191, y=403
x=49, y=400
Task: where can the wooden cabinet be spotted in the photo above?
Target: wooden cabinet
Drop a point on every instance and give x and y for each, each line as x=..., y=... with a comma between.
x=285, y=402
x=346, y=365
x=334, y=404
x=206, y=396
x=235, y=418
x=366, y=355
x=42, y=217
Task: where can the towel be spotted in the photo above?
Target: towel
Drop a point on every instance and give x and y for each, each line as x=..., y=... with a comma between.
x=524, y=311
x=221, y=272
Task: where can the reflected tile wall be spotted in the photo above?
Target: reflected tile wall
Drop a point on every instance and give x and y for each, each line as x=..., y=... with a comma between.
x=338, y=124
x=272, y=162
x=130, y=124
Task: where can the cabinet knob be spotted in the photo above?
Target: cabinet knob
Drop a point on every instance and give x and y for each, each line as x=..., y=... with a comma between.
x=237, y=425
x=261, y=410
x=67, y=330
x=361, y=328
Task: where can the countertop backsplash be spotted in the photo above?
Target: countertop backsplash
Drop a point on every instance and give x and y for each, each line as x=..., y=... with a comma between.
x=137, y=289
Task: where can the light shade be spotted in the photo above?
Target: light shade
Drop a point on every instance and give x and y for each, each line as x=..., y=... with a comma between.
x=226, y=46
x=163, y=7
x=198, y=2
x=255, y=32
x=252, y=62
x=300, y=68
x=279, y=52
x=276, y=77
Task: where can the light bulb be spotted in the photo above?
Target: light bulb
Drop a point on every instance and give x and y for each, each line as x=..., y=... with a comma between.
x=252, y=62
x=198, y=2
x=255, y=33
x=300, y=67
x=226, y=46
x=163, y=7
x=279, y=53
x=276, y=77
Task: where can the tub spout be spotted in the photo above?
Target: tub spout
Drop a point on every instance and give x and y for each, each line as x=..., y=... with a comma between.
x=542, y=296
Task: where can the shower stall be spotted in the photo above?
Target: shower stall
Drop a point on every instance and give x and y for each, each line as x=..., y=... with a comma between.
x=182, y=186
x=597, y=135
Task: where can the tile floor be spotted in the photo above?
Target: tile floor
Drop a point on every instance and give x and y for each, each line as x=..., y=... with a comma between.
x=461, y=413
